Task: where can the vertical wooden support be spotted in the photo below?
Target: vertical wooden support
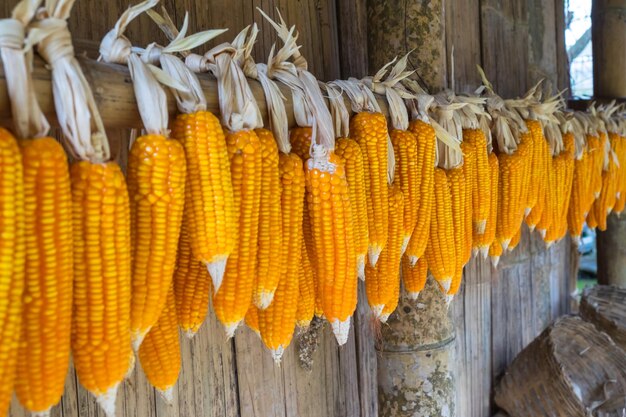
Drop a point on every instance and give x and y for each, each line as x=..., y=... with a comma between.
x=416, y=375
x=608, y=21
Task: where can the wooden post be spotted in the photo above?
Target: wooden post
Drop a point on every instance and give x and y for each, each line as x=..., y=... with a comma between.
x=608, y=22
x=416, y=356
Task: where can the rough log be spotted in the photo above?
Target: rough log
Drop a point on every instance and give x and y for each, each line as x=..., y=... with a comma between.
x=113, y=92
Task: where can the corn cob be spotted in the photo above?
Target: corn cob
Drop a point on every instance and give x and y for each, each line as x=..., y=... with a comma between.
x=156, y=182
x=414, y=277
x=252, y=319
x=539, y=159
x=369, y=130
x=426, y=141
x=11, y=262
x=511, y=197
x=210, y=212
x=232, y=300
x=547, y=205
x=481, y=187
x=576, y=211
x=270, y=223
x=603, y=206
x=495, y=253
x=620, y=195
x=382, y=282
x=308, y=301
x=192, y=287
x=101, y=346
x=563, y=166
x=407, y=174
x=484, y=241
x=525, y=149
x=441, y=249
x=517, y=237
x=277, y=322
x=596, y=151
x=591, y=220
x=352, y=157
x=458, y=197
x=159, y=354
x=300, y=139
x=328, y=200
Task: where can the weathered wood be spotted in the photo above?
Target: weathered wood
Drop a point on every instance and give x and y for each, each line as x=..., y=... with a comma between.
x=608, y=35
x=396, y=27
x=605, y=307
x=612, y=253
x=463, y=46
x=352, y=22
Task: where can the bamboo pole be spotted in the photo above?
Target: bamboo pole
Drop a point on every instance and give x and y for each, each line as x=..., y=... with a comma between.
x=113, y=92
x=416, y=359
x=609, y=62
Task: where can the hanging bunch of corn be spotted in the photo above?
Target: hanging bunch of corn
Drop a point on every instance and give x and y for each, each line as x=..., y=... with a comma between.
x=563, y=167
x=328, y=201
x=240, y=115
x=156, y=175
x=445, y=251
x=159, y=353
x=514, y=143
x=36, y=230
x=101, y=220
x=276, y=323
x=206, y=236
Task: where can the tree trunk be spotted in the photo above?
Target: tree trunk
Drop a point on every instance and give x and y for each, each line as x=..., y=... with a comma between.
x=608, y=18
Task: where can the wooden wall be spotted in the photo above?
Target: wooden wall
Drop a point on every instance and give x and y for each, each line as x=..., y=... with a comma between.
x=498, y=312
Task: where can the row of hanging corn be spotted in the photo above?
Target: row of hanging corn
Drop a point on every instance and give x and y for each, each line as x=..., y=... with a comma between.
x=275, y=226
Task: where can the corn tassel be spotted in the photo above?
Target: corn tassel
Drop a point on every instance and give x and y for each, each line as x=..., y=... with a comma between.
x=441, y=249
x=382, y=282
x=484, y=241
x=159, y=354
x=101, y=346
x=405, y=150
x=11, y=263
x=192, y=287
x=277, y=322
x=328, y=200
x=426, y=144
x=369, y=130
x=270, y=224
x=352, y=157
x=481, y=187
x=458, y=197
x=231, y=301
x=210, y=211
x=156, y=182
x=414, y=277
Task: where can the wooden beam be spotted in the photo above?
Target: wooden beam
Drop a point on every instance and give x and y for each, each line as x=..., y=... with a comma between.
x=113, y=92
x=608, y=33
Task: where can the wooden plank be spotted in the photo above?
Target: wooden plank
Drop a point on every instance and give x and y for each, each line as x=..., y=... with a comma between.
x=366, y=357
x=563, y=81
x=463, y=75
x=352, y=23
x=542, y=43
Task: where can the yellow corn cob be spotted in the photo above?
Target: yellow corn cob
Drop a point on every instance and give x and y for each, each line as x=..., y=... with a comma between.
x=606, y=201
x=382, y=282
x=495, y=253
x=441, y=250
x=525, y=149
x=576, y=211
x=407, y=174
x=369, y=130
x=101, y=346
x=277, y=322
x=481, y=187
x=308, y=300
x=252, y=319
x=156, y=182
x=350, y=152
x=159, y=354
x=563, y=166
x=414, y=277
x=426, y=143
x=192, y=287
x=300, y=139
x=539, y=159
x=620, y=195
x=11, y=262
x=210, y=212
x=515, y=241
x=485, y=240
x=467, y=212
x=458, y=198
x=328, y=200
x=591, y=220
x=596, y=151
x=547, y=205
x=270, y=223
x=231, y=301
x=512, y=195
